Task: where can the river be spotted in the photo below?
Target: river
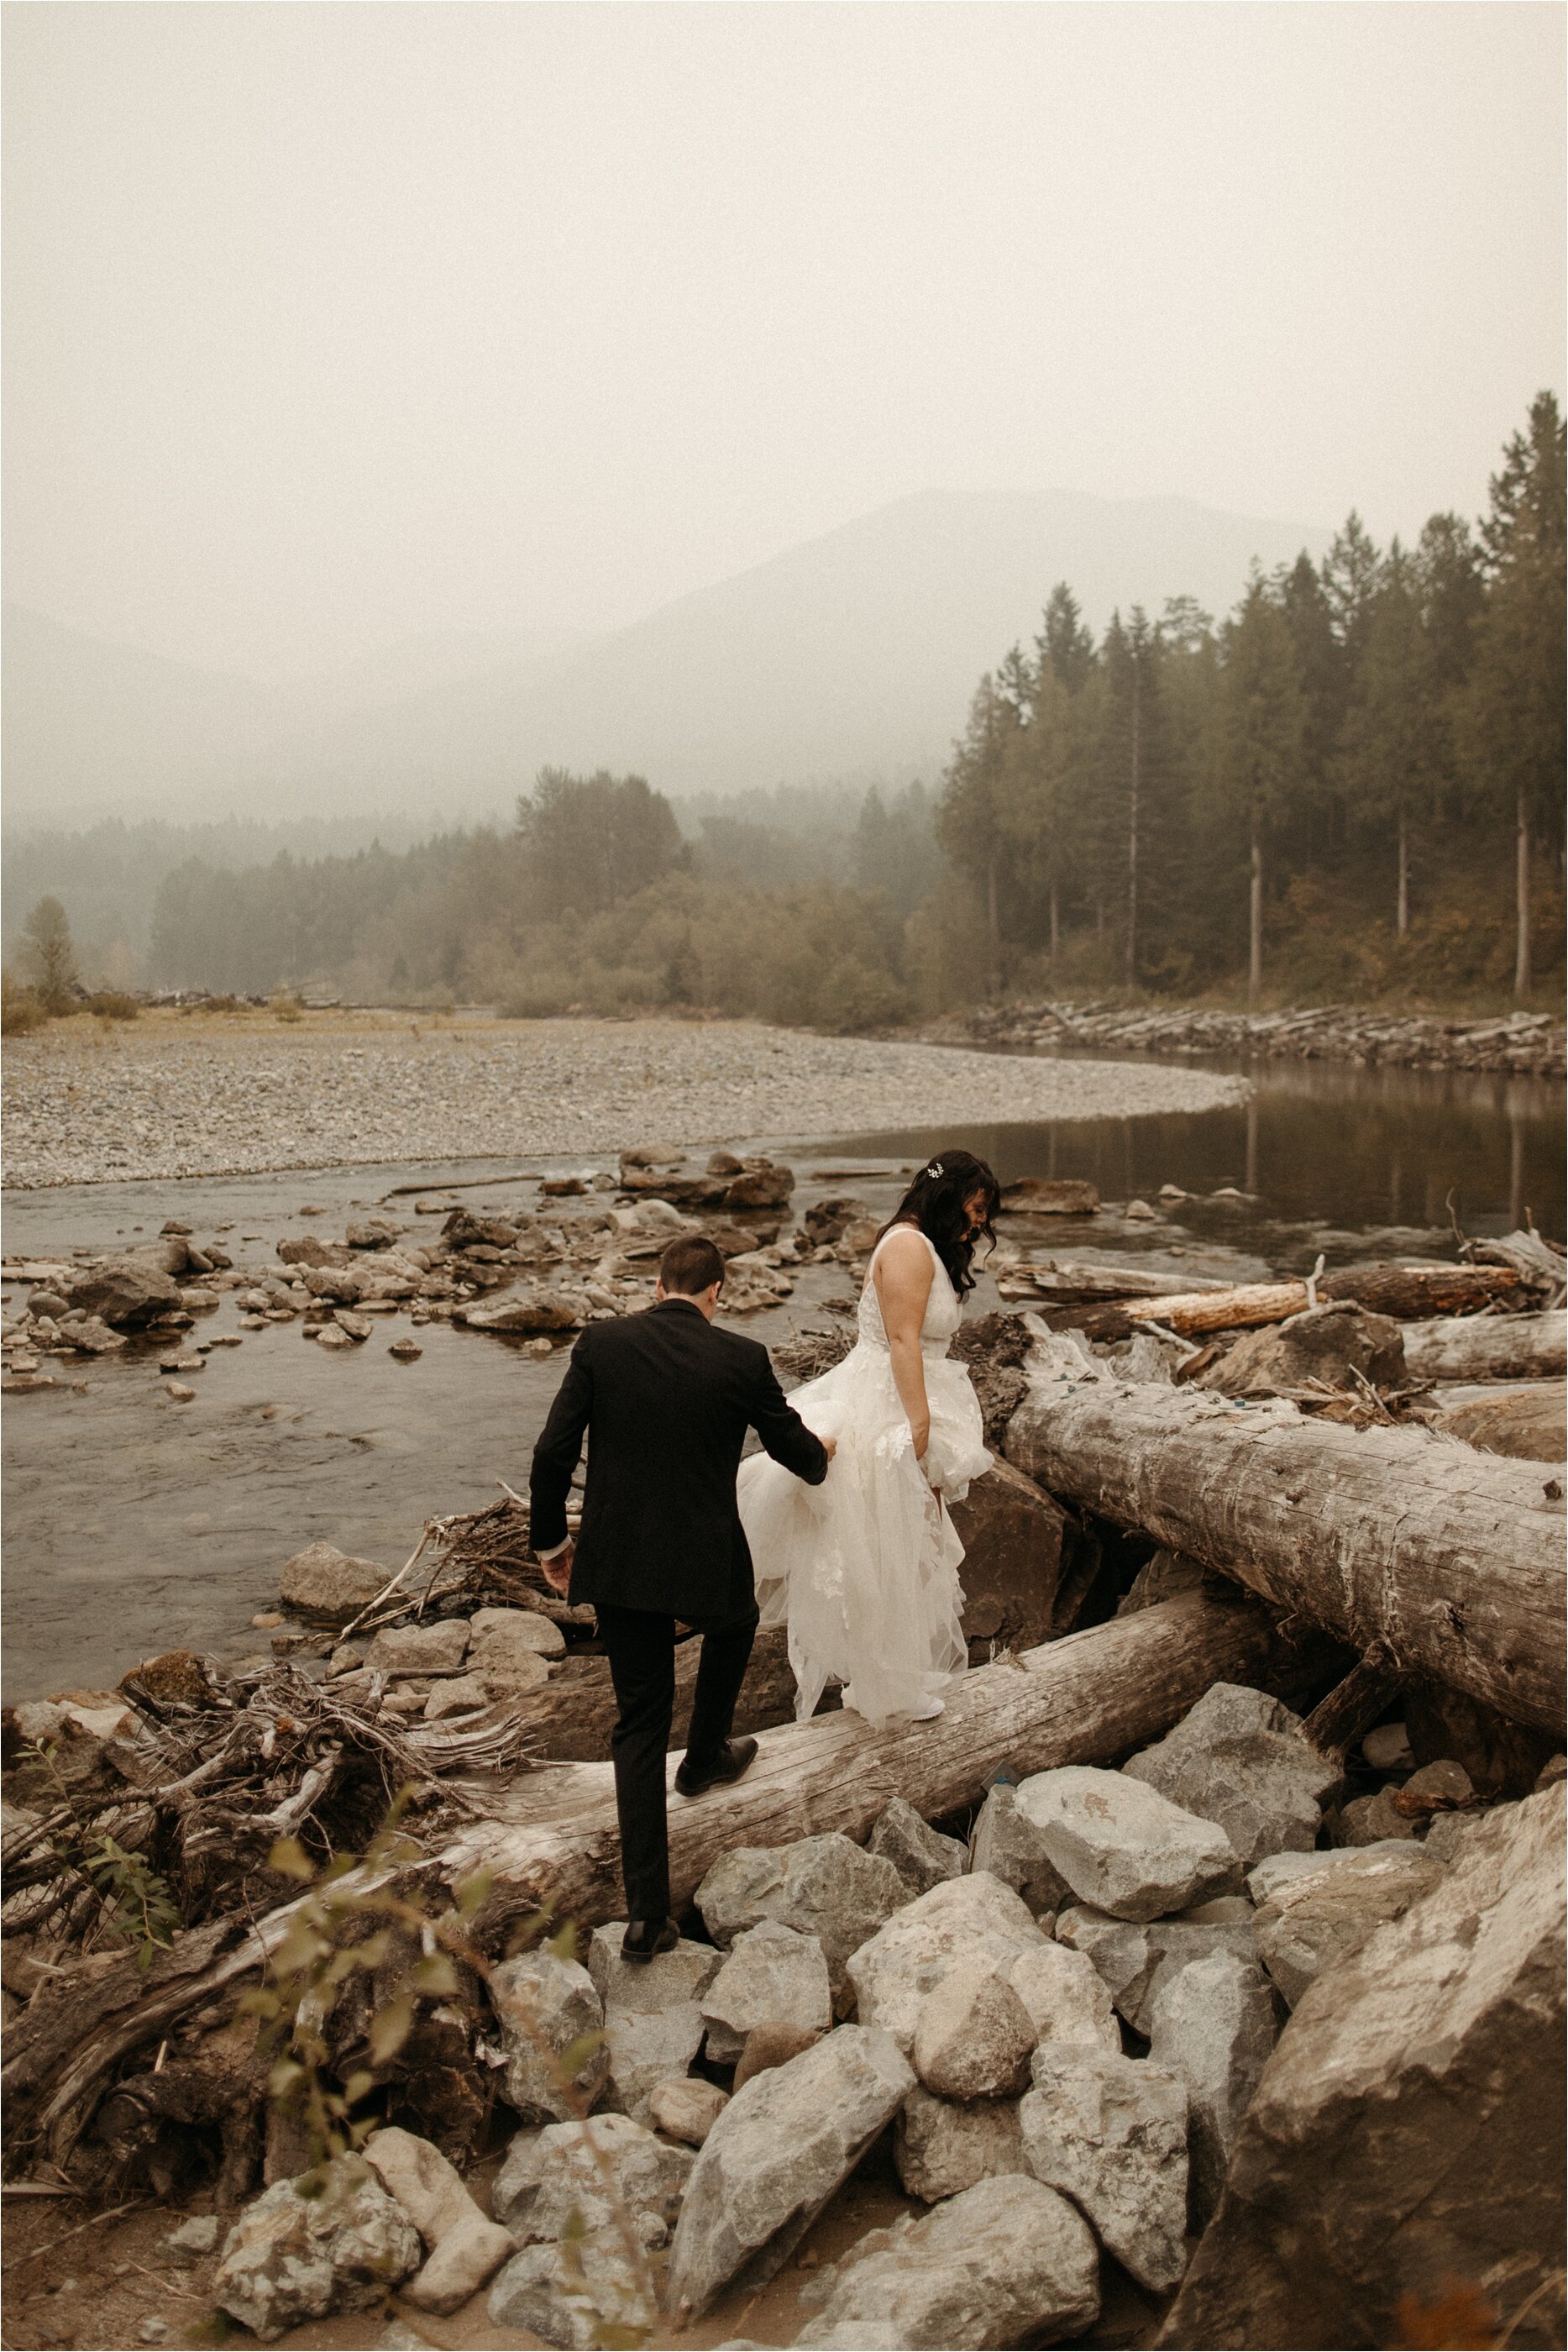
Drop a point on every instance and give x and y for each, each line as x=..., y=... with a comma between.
x=135, y=1524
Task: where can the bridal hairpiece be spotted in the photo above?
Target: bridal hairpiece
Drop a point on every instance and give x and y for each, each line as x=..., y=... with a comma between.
x=936, y=1168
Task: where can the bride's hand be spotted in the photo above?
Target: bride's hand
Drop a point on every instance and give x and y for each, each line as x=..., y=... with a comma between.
x=921, y=1432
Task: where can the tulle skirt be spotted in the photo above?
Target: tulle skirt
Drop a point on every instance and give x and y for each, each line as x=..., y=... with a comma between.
x=864, y=1567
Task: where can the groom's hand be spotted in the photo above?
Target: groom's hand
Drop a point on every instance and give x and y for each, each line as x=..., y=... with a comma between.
x=830, y=1446
x=557, y=1571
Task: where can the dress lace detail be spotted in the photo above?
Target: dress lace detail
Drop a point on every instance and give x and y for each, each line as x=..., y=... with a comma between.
x=864, y=1569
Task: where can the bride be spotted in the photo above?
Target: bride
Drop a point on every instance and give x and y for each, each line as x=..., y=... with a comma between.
x=863, y=1567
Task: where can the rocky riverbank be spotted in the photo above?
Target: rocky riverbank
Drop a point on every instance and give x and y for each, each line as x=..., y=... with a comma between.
x=166, y=1098
x=1524, y=1043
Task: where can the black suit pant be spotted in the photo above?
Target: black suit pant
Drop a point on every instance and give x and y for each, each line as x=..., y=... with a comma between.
x=641, y=1646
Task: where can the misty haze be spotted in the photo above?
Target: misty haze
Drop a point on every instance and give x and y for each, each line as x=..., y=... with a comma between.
x=785, y=1315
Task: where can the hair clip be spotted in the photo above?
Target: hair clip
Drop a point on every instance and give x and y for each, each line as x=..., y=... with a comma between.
x=936, y=1170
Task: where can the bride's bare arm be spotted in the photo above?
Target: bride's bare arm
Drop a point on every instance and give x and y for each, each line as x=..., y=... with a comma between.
x=902, y=1278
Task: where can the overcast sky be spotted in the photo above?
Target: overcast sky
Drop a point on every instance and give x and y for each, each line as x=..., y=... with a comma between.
x=331, y=324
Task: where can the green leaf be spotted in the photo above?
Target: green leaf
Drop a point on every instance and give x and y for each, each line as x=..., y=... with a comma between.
x=390, y=2028
x=289, y=1859
x=285, y=2074
x=435, y=1974
x=359, y=2085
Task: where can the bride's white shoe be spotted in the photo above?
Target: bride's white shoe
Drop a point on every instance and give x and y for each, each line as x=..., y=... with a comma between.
x=928, y=1713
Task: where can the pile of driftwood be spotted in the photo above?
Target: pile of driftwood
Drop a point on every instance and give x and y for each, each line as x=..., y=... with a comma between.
x=1523, y=1042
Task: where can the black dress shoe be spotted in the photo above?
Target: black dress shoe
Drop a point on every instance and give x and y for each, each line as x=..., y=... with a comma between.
x=645, y=1938
x=728, y=1765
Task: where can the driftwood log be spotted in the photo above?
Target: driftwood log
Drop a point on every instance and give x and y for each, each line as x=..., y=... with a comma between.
x=1452, y=1558
x=551, y=1843
x=1402, y=1291
x=1489, y=1347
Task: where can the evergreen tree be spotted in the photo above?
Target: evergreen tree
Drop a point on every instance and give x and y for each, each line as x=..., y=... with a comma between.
x=51, y=955
x=1136, y=771
x=1264, y=734
x=1392, y=760
x=596, y=839
x=970, y=816
x=1321, y=659
x=1064, y=642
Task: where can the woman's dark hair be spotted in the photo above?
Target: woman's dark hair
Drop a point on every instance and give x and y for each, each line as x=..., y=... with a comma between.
x=934, y=1202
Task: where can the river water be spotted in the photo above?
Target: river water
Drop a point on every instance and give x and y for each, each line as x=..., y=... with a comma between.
x=135, y=1524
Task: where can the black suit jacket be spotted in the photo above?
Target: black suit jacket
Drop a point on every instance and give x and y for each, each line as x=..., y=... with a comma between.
x=667, y=1399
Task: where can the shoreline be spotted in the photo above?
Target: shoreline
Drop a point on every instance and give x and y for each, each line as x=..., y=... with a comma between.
x=1522, y=1045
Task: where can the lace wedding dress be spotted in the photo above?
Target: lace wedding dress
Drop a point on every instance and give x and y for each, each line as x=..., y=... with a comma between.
x=864, y=1569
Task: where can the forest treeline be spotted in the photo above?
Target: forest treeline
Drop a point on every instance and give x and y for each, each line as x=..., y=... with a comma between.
x=1351, y=785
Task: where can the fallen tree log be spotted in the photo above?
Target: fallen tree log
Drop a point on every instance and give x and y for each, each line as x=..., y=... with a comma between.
x=1527, y=1420
x=549, y=1839
x=1452, y=1558
x=1489, y=1347
x=1407, y=1292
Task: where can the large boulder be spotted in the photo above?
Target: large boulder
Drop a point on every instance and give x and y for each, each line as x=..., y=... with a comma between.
x=974, y=2037
x=668, y=1980
x=1008, y=2261
x=921, y=1855
x=943, y=2146
x=773, y=1977
x=1214, y=2026
x=827, y=1887
x=291, y=2257
x=1124, y=1848
x=1013, y=1539
x=436, y=1648
x=1317, y=1920
x=1005, y=1843
x=974, y=1917
x=126, y=1291
x=1241, y=1758
x=1066, y=2000
x=328, y=1586
x=578, y=2294
x=1110, y=2133
x=531, y=1312
x=551, y=2175
x=776, y=2154
x=1330, y=1343
x=1135, y=1960
x=1407, y=2133
x=543, y=2005
x=652, y=2023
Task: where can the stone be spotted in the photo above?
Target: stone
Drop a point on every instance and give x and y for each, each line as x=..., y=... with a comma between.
x=534, y=1310
x=437, y=1649
x=1111, y=2132
x=670, y=1979
x=1066, y=2000
x=407, y=1351
x=356, y=1327
x=945, y=2145
x=974, y=2037
x=576, y=2296
x=551, y=2176
x=773, y=1977
x=329, y=1336
x=920, y=1855
x=823, y=1886
x=1214, y=2027
x=1407, y=2131
x=429, y=2189
x=776, y=2155
x=180, y=1392
x=371, y=1232
x=329, y=1586
x=1122, y=1846
x=1403, y=1813
x=126, y=1291
x=90, y=1335
x=1011, y=1848
x=1329, y=1343
x=458, y=1695
x=973, y=1917
x=1051, y=1196
x=1161, y=1577
x=1241, y=1758
x=646, y=2047
x=194, y=2238
x=686, y=2110
x=1012, y=1531
x=510, y=1647
x=1135, y=1962
x=459, y=2267
x=1525, y=1423
x=768, y=2046
x=1317, y=1921
x=1008, y=2261
x=1388, y=1750
x=291, y=2258
x=1281, y=1869
x=556, y=1999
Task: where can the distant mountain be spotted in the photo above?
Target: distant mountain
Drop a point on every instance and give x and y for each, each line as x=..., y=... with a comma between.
x=855, y=652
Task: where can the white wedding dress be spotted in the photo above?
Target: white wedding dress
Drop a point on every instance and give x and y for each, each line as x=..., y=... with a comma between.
x=864, y=1567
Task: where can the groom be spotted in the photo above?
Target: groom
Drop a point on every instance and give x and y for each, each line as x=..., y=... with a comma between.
x=667, y=1400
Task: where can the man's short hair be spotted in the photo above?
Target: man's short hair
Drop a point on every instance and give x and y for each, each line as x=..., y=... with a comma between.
x=689, y=1266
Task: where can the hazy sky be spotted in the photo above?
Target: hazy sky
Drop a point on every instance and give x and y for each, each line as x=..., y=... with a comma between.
x=330, y=324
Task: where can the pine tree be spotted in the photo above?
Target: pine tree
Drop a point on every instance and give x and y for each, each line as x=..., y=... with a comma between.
x=1392, y=758
x=1064, y=642
x=1265, y=727
x=969, y=826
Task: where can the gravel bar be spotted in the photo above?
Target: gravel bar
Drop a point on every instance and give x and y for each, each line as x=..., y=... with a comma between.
x=84, y=1105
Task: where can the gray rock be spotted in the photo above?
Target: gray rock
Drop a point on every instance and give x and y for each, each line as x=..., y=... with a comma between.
x=670, y=1980
x=921, y=1855
x=1240, y=1757
x=455, y=1694
x=575, y=2295
x=289, y=2258
x=1008, y=1846
x=1136, y=1960
x=193, y=2238
x=532, y=1310
x=945, y=2145
x=466, y=2256
x=1008, y=2261
x=1214, y=2027
x=1161, y=1577
x=1410, y=2120
x=974, y=2037
x=437, y=1649
x=964, y=1918
x=551, y=2176
x=328, y=1585
x=429, y=2189
x=772, y=1977
x=1122, y=1846
x=543, y=2005
x=1110, y=2133
x=90, y=1335
x=686, y=2108
x=1388, y=1750
x=781, y=2149
x=823, y=1886
x=1369, y=1821
x=1328, y=1343
x=500, y=1639
x=1066, y=1998
x=646, y=2048
x=126, y=1291
x=1315, y=1922
x=1279, y=1869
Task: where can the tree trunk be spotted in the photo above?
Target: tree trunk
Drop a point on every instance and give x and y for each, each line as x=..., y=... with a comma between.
x=1453, y=1559
x=1131, y=974
x=1406, y=1292
x=549, y=1839
x=1521, y=973
x=1489, y=1347
x=993, y=922
x=1402, y=919
x=1055, y=929
x=1255, y=920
